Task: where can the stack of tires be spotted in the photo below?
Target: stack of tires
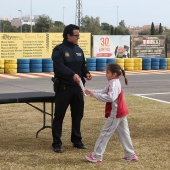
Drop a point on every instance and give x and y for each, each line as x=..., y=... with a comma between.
x=129, y=64
x=163, y=64
x=155, y=63
x=110, y=60
x=35, y=65
x=101, y=64
x=146, y=63
x=168, y=63
x=137, y=63
x=10, y=66
x=1, y=66
x=47, y=65
x=23, y=65
x=91, y=64
x=120, y=61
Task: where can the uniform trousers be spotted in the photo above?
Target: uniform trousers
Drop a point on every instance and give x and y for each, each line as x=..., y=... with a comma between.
x=120, y=126
x=65, y=96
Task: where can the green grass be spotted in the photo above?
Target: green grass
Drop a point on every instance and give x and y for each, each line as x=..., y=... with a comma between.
x=21, y=150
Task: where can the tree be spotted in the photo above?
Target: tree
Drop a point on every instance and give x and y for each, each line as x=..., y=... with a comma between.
x=122, y=24
x=160, y=31
x=26, y=28
x=167, y=33
x=43, y=24
x=7, y=27
x=106, y=28
x=152, y=29
x=121, y=31
x=90, y=24
x=58, y=26
x=112, y=30
x=144, y=32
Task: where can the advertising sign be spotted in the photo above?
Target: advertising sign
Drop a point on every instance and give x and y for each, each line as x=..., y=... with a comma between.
x=36, y=45
x=115, y=46
x=152, y=46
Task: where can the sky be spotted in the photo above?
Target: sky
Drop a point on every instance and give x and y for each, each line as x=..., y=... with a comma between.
x=133, y=12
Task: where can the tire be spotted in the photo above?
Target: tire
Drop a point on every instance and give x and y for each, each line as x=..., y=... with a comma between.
x=47, y=61
x=23, y=61
x=1, y=71
x=111, y=60
x=129, y=64
x=35, y=70
x=154, y=59
x=154, y=63
x=168, y=61
x=10, y=71
x=100, y=68
x=1, y=66
x=100, y=64
x=91, y=68
x=23, y=70
x=146, y=67
x=101, y=60
x=1, y=61
x=146, y=61
x=10, y=66
x=10, y=61
x=162, y=67
x=163, y=63
x=119, y=60
x=23, y=66
x=154, y=67
x=90, y=60
x=47, y=65
x=47, y=69
x=35, y=61
x=91, y=64
x=129, y=60
x=35, y=65
x=129, y=68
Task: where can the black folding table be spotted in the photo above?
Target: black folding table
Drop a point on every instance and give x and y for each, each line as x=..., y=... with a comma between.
x=29, y=98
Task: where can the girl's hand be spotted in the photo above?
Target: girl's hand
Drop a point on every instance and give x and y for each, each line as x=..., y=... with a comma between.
x=87, y=91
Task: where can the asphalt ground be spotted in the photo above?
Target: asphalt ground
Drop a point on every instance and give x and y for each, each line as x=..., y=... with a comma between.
x=153, y=86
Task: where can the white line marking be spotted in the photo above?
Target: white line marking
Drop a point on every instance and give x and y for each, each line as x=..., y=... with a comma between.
x=151, y=94
x=142, y=95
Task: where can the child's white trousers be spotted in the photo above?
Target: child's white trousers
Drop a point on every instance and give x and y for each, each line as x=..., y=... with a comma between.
x=120, y=126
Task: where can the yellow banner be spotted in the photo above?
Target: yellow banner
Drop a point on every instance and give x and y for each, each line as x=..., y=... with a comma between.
x=36, y=45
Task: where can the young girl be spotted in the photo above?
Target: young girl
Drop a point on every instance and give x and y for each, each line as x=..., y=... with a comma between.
x=115, y=112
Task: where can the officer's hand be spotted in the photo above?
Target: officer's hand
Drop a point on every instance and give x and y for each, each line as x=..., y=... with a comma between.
x=76, y=78
x=88, y=76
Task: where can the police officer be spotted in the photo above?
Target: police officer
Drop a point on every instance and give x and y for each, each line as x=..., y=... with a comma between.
x=69, y=67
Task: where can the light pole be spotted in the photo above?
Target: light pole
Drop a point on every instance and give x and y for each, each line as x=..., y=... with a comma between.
x=31, y=15
x=20, y=18
x=117, y=14
x=63, y=14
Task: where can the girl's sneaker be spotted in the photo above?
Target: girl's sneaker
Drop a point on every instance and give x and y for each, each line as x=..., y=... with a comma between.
x=134, y=158
x=91, y=158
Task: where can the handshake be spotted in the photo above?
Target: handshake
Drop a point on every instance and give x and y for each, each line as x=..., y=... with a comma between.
x=86, y=91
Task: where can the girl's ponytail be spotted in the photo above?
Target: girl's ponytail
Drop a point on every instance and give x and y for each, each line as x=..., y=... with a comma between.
x=126, y=81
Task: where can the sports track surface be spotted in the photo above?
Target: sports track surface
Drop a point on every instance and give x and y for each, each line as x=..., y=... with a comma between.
x=151, y=84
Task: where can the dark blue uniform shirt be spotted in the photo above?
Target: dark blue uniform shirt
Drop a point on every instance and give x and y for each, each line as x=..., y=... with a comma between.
x=68, y=59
